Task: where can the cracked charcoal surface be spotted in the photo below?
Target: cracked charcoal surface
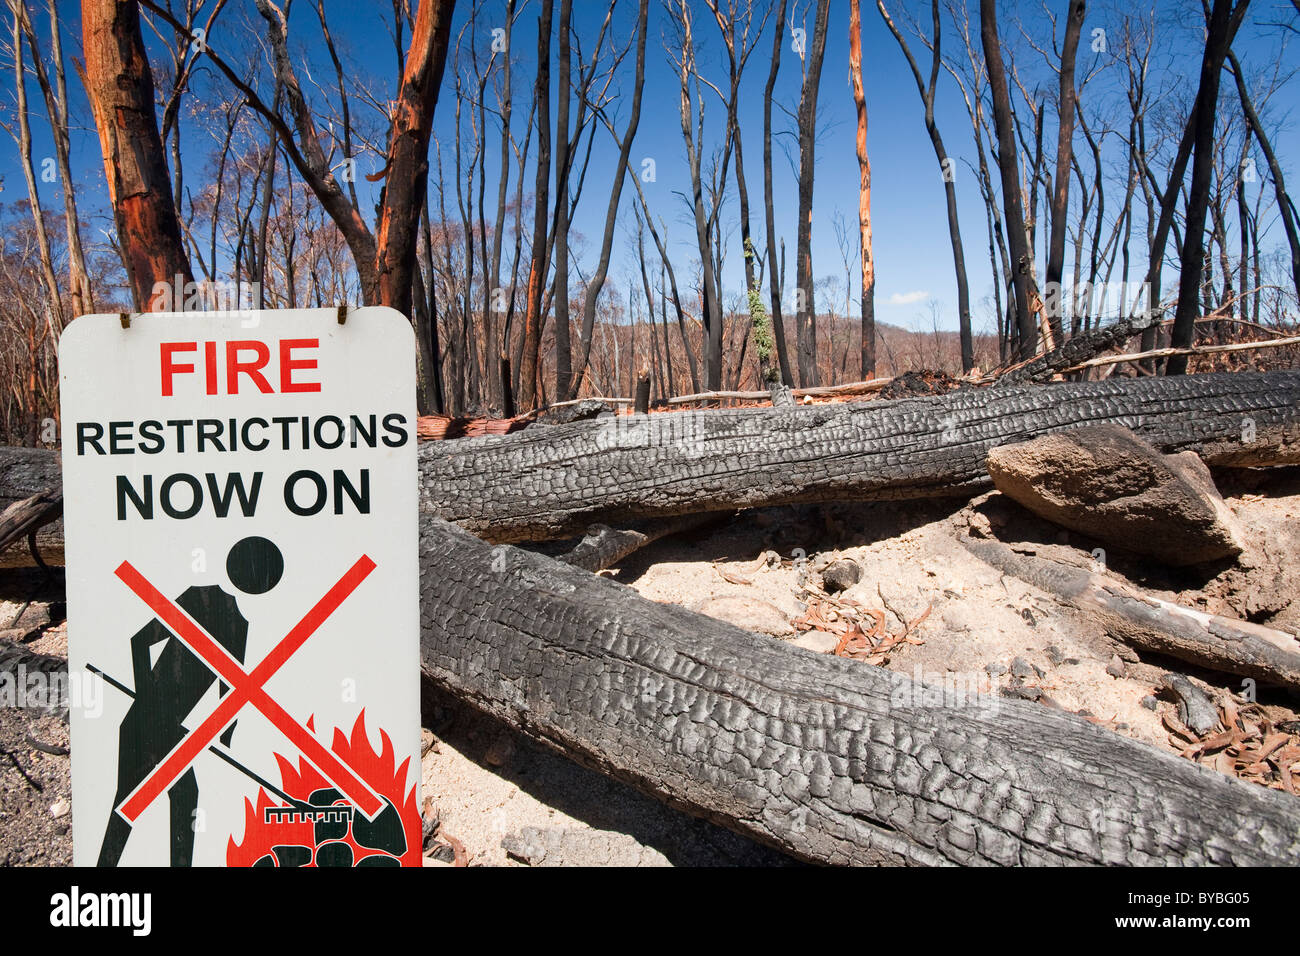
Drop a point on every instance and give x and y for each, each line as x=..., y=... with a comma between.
x=808, y=752
x=554, y=482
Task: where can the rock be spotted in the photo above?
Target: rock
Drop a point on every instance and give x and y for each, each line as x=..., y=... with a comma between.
x=1105, y=482
x=995, y=669
x=59, y=808
x=750, y=613
x=1054, y=655
x=1195, y=709
x=500, y=751
x=441, y=855
x=1116, y=667
x=820, y=642
x=1021, y=668
x=1022, y=692
x=841, y=575
x=1150, y=703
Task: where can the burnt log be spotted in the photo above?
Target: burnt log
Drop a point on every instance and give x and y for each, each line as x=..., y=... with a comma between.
x=541, y=484
x=1154, y=625
x=822, y=757
x=1076, y=350
x=31, y=493
x=826, y=758
x=602, y=547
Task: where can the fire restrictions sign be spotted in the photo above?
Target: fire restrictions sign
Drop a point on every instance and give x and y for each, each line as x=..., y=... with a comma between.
x=241, y=547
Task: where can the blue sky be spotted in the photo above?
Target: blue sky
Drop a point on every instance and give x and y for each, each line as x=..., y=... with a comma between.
x=913, y=255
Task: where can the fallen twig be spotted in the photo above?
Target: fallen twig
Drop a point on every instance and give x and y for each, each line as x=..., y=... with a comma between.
x=1194, y=350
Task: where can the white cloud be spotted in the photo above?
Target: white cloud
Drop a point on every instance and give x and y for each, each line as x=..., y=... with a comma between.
x=907, y=298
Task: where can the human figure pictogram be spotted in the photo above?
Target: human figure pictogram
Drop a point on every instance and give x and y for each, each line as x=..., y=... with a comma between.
x=167, y=689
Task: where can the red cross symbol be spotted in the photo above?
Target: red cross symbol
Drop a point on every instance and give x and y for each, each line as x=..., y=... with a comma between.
x=246, y=687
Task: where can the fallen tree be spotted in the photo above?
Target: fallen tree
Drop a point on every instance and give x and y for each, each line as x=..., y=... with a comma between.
x=25, y=518
x=602, y=547
x=828, y=759
x=26, y=473
x=1077, y=349
x=1151, y=624
x=555, y=482
x=539, y=484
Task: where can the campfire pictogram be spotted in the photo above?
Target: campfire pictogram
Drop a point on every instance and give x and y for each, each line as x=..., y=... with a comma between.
x=317, y=826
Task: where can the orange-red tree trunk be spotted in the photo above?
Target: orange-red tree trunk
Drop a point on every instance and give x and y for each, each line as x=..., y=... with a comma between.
x=864, y=194
x=120, y=86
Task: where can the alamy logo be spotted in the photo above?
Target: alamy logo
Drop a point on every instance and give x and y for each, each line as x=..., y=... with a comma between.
x=74, y=909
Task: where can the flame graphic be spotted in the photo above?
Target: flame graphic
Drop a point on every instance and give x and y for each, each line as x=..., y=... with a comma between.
x=376, y=769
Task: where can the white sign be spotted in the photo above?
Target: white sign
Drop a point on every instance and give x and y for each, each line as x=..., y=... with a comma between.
x=241, y=546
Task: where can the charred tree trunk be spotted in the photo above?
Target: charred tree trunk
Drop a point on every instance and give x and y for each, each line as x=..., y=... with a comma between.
x=532, y=333
x=825, y=758
x=710, y=304
x=563, y=345
x=774, y=273
x=1022, y=264
x=1065, y=108
x=1222, y=26
x=1077, y=349
x=927, y=91
x=1160, y=627
x=498, y=340
x=591, y=298
x=555, y=482
x=805, y=305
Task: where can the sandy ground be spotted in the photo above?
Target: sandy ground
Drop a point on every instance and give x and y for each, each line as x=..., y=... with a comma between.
x=505, y=801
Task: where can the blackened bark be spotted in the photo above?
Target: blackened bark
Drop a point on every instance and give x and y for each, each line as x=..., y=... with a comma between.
x=554, y=482
x=927, y=91
x=538, y=267
x=1065, y=108
x=806, y=307
x=774, y=273
x=1223, y=22
x=1022, y=265
x=828, y=759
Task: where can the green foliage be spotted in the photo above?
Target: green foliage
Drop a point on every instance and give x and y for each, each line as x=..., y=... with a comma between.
x=762, y=323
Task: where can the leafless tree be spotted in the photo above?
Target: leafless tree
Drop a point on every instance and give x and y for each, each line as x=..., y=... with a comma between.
x=806, y=309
